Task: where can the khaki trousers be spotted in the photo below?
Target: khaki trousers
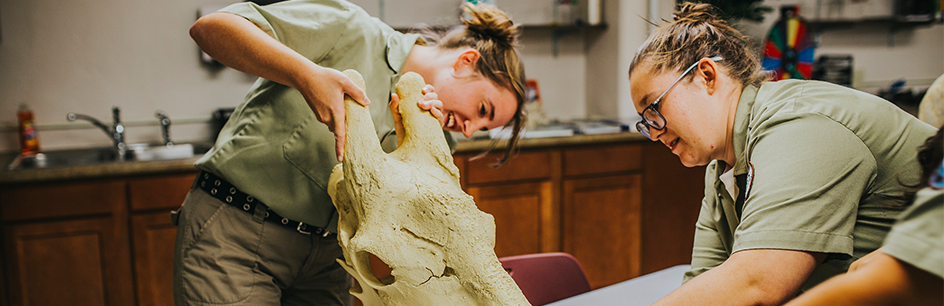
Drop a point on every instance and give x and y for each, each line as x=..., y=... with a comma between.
x=226, y=256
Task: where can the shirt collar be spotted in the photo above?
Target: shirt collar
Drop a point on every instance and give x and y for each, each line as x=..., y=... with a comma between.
x=742, y=118
x=399, y=46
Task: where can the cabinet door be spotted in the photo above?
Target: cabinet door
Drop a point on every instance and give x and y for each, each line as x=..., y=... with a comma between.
x=526, y=219
x=157, y=192
x=602, y=226
x=81, y=262
x=153, y=238
x=672, y=202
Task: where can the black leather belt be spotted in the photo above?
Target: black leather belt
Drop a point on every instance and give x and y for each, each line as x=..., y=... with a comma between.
x=229, y=194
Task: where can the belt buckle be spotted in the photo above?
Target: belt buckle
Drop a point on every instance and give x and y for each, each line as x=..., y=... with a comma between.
x=301, y=228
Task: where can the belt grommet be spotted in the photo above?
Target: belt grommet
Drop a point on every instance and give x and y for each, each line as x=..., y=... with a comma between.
x=249, y=199
x=246, y=207
x=203, y=183
x=232, y=190
x=318, y=231
x=206, y=175
x=217, y=183
x=267, y=212
x=284, y=220
x=229, y=199
x=213, y=191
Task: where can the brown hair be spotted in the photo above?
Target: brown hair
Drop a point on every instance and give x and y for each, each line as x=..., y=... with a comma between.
x=491, y=32
x=697, y=33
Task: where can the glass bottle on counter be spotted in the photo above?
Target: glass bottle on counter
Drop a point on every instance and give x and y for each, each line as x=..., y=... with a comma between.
x=29, y=142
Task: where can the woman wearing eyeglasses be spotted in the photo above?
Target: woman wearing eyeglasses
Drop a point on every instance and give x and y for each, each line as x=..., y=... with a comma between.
x=801, y=175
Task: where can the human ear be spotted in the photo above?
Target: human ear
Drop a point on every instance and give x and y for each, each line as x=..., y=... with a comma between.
x=708, y=71
x=466, y=62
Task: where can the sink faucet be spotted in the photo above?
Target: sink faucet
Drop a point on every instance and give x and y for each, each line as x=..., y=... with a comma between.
x=116, y=132
x=165, y=127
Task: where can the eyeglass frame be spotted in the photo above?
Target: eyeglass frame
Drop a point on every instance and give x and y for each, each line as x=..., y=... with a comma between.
x=644, y=124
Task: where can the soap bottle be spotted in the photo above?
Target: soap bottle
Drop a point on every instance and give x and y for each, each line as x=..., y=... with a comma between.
x=29, y=142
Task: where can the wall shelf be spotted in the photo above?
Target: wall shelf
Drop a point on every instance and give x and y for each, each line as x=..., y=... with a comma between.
x=556, y=30
x=890, y=21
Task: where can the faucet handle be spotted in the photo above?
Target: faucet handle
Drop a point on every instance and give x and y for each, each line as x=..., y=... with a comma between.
x=165, y=126
x=116, y=115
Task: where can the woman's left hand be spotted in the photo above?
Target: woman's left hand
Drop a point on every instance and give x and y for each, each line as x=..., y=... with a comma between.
x=429, y=102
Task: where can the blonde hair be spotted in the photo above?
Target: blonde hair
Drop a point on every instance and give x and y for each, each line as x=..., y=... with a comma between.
x=491, y=32
x=696, y=33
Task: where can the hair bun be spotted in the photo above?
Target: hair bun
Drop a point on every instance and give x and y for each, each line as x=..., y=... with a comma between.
x=491, y=23
x=697, y=12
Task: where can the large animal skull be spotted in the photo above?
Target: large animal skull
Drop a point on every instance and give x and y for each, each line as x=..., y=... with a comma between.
x=407, y=209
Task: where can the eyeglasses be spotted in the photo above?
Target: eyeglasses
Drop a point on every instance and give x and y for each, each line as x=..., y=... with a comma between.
x=651, y=118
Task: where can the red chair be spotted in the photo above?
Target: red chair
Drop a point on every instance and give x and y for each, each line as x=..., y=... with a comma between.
x=546, y=277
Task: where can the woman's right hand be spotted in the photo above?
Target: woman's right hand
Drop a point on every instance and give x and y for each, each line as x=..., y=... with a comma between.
x=324, y=90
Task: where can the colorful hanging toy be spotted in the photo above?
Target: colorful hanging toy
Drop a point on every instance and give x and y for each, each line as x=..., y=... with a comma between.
x=788, y=49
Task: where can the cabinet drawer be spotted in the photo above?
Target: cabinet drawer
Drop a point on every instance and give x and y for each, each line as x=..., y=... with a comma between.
x=156, y=192
x=603, y=159
x=524, y=166
x=61, y=199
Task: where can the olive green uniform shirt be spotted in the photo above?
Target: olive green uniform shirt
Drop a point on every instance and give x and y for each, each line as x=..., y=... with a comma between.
x=816, y=163
x=273, y=147
x=918, y=237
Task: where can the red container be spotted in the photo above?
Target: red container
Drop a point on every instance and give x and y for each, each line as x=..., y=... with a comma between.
x=29, y=142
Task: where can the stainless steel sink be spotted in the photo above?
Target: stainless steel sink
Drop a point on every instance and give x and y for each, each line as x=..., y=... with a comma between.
x=106, y=155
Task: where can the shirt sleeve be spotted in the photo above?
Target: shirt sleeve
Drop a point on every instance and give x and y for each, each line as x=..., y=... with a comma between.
x=808, y=175
x=918, y=237
x=709, y=250
x=310, y=28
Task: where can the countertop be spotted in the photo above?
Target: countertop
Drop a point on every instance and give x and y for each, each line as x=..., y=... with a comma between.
x=137, y=168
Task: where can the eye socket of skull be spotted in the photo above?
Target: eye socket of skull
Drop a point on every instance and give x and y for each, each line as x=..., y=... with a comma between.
x=364, y=264
x=380, y=269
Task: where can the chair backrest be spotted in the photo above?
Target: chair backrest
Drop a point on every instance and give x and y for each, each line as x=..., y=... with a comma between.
x=546, y=277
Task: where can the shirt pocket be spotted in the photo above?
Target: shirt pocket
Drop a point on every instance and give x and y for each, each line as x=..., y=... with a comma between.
x=310, y=148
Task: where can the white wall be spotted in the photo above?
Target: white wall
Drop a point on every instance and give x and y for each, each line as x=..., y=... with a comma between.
x=86, y=56
x=609, y=53
x=562, y=79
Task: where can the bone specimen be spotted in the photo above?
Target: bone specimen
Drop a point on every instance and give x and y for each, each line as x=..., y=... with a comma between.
x=407, y=209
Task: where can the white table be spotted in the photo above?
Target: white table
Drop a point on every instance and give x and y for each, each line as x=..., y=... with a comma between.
x=643, y=290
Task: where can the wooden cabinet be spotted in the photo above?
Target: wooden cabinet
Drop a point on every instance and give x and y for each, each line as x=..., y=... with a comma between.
x=153, y=236
x=602, y=226
x=80, y=262
x=671, y=200
x=94, y=242
x=66, y=244
x=622, y=210
x=521, y=196
x=524, y=216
